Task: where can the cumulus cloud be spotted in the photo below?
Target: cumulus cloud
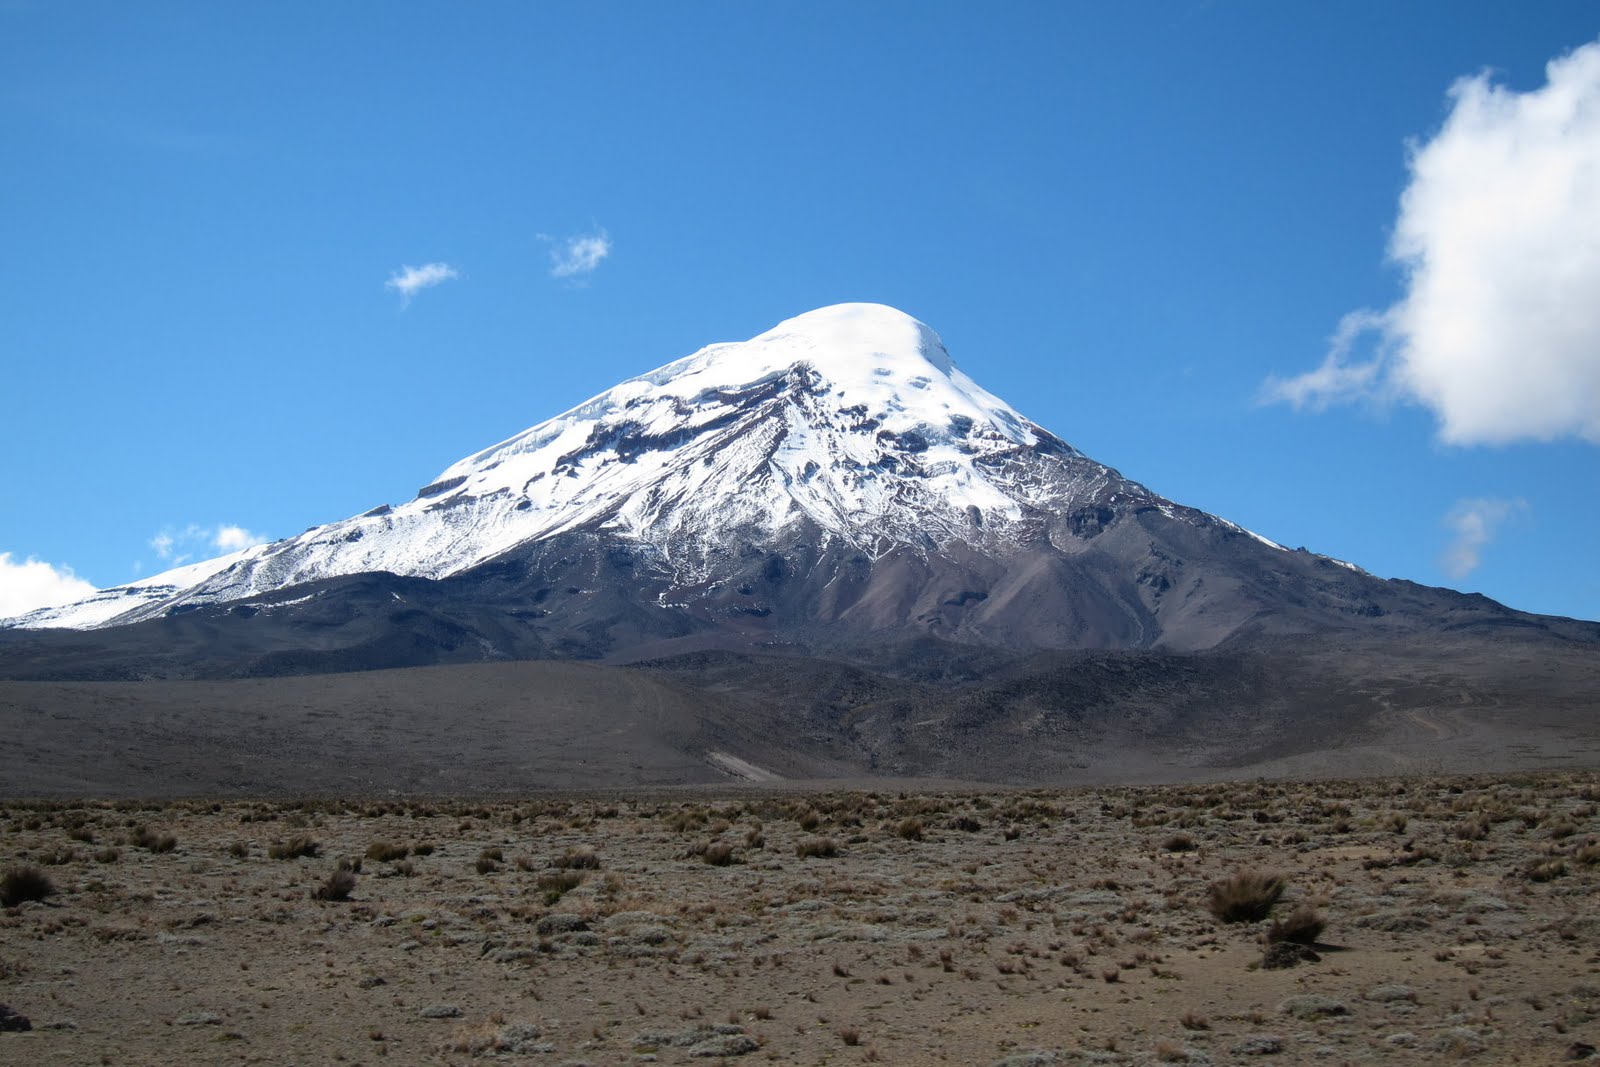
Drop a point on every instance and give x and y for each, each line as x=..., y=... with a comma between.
x=178, y=545
x=34, y=584
x=409, y=281
x=1473, y=525
x=577, y=257
x=1498, y=235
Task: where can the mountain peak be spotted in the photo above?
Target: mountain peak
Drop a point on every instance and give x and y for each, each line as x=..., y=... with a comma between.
x=876, y=334
x=860, y=348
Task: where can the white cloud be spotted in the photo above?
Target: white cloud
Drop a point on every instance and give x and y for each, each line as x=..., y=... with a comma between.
x=409, y=281
x=164, y=544
x=1474, y=524
x=579, y=256
x=1499, y=237
x=176, y=545
x=234, y=538
x=35, y=584
x=1338, y=380
x=179, y=545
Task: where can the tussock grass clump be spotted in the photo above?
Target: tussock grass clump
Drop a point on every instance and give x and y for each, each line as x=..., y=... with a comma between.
x=338, y=886
x=1031, y=808
x=108, y=855
x=387, y=852
x=239, y=850
x=1245, y=896
x=1179, y=843
x=26, y=883
x=910, y=829
x=817, y=848
x=578, y=858
x=718, y=854
x=1545, y=870
x=921, y=805
x=685, y=819
x=556, y=886
x=294, y=848
x=1302, y=926
x=147, y=839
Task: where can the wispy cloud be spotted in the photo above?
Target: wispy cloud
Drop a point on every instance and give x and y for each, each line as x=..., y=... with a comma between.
x=409, y=281
x=34, y=584
x=178, y=545
x=578, y=256
x=1339, y=379
x=1499, y=328
x=1474, y=524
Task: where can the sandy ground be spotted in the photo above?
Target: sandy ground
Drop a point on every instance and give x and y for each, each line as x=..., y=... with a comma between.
x=1020, y=928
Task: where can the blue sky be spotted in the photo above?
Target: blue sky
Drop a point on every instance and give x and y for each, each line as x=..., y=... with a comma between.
x=1141, y=224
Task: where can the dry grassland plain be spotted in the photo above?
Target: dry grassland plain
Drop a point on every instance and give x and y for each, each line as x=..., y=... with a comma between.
x=1382, y=921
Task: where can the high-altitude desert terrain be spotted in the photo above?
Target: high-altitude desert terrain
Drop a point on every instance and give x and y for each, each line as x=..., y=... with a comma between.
x=1458, y=919
x=781, y=596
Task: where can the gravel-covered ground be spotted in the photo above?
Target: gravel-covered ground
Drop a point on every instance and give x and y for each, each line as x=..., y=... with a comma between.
x=1460, y=920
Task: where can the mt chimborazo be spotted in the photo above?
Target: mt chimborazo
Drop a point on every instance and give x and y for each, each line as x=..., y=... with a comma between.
x=822, y=552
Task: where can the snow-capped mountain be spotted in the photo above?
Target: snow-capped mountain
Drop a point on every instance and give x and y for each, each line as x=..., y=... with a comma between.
x=837, y=475
x=853, y=417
